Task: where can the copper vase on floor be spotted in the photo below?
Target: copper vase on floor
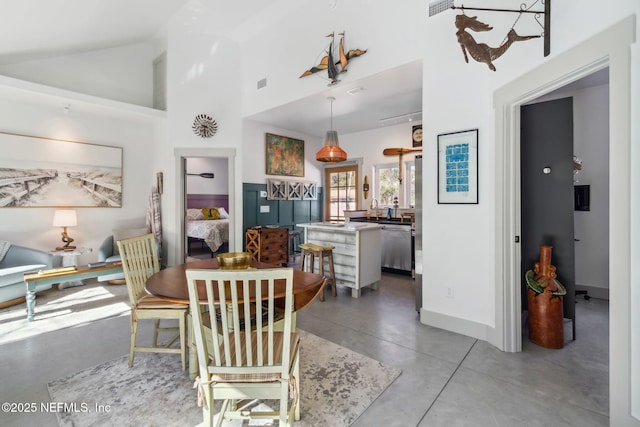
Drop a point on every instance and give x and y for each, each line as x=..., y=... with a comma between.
x=544, y=295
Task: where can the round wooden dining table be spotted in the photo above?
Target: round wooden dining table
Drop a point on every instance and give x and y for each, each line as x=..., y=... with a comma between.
x=171, y=283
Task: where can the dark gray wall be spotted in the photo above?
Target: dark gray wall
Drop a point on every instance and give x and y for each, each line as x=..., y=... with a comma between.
x=548, y=199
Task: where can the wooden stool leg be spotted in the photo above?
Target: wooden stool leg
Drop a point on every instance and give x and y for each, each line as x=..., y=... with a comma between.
x=333, y=275
x=303, y=256
x=321, y=268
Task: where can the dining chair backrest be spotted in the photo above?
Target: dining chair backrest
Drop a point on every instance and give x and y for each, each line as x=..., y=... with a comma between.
x=240, y=303
x=139, y=261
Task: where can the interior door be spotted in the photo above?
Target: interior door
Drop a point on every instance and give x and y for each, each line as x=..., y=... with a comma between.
x=547, y=200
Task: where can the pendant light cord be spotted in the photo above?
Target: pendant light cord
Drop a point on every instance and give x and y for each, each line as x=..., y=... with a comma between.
x=331, y=122
x=331, y=99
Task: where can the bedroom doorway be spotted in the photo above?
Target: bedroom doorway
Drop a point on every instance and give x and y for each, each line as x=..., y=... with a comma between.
x=206, y=189
x=198, y=180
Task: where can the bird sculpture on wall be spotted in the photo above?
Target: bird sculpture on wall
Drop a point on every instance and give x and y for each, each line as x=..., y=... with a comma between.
x=480, y=51
x=329, y=63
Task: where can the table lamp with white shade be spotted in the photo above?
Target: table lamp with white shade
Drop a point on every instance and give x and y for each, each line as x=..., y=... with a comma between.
x=65, y=218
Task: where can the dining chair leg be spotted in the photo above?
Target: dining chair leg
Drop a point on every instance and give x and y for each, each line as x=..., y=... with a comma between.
x=296, y=374
x=207, y=409
x=223, y=409
x=193, y=355
x=155, y=332
x=183, y=341
x=284, y=403
x=134, y=333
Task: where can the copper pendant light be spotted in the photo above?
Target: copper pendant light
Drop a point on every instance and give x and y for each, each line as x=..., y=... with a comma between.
x=331, y=151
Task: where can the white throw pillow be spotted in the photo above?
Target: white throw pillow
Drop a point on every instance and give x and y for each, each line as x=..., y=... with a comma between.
x=194, y=214
x=223, y=213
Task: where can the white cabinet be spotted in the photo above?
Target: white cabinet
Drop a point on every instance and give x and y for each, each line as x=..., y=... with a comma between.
x=356, y=253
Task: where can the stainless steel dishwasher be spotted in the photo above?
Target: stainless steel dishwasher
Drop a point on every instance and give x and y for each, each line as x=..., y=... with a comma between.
x=396, y=247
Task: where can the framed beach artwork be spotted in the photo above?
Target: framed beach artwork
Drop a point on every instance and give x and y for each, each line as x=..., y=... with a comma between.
x=46, y=172
x=458, y=167
x=284, y=156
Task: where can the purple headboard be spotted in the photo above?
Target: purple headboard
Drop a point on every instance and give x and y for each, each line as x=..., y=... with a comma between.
x=195, y=201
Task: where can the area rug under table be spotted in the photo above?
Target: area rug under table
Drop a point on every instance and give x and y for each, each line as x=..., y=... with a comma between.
x=337, y=385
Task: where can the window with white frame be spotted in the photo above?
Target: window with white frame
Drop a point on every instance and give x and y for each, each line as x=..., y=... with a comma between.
x=387, y=184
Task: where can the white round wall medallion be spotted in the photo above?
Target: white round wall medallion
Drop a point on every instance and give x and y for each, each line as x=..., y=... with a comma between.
x=204, y=126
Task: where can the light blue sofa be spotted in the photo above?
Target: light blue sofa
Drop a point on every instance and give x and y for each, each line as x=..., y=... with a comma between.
x=17, y=261
x=108, y=250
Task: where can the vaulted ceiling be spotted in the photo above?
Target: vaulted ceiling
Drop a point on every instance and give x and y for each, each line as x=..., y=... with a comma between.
x=37, y=29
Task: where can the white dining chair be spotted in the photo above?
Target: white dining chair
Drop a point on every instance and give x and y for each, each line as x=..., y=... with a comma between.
x=241, y=354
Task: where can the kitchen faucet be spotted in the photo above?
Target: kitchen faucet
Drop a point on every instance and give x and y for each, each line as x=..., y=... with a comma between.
x=377, y=207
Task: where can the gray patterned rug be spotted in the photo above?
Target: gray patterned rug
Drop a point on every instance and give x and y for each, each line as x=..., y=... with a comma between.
x=337, y=385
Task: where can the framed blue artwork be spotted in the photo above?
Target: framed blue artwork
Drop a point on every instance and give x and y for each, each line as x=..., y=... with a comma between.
x=458, y=167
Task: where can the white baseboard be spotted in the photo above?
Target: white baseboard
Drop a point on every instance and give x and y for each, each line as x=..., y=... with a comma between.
x=454, y=324
x=594, y=291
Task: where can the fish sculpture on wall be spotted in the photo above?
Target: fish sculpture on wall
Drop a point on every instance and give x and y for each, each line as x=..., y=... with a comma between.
x=480, y=51
x=329, y=63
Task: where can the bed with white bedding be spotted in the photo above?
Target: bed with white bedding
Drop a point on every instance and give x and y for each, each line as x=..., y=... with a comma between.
x=213, y=228
x=214, y=232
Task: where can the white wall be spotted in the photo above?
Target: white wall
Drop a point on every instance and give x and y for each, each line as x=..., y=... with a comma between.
x=198, y=185
x=463, y=100
x=254, y=147
x=202, y=77
x=366, y=146
x=390, y=31
x=121, y=73
x=591, y=144
x=369, y=145
x=36, y=116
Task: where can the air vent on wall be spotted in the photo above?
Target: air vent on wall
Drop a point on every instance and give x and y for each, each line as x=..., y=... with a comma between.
x=439, y=6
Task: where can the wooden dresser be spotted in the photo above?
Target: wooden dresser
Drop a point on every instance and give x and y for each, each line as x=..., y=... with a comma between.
x=270, y=245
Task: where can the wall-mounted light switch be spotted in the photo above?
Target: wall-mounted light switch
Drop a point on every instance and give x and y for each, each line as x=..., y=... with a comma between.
x=263, y=194
x=264, y=209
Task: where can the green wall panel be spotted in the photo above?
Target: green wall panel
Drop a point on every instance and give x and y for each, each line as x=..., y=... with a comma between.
x=285, y=213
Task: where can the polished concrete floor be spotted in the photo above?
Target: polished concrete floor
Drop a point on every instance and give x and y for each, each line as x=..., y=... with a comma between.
x=447, y=379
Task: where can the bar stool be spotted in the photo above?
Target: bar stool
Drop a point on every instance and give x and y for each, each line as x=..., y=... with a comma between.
x=322, y=253
x=294, y=241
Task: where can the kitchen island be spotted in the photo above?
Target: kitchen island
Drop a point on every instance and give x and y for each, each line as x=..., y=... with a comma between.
x=356, y=253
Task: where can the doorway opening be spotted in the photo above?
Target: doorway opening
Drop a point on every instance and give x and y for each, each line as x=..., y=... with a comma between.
x=566, y=151
x=207, y=201
x=609, y=48
x=206, y=157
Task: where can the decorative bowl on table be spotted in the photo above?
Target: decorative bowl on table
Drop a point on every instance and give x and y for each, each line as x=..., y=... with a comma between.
x=234, y=260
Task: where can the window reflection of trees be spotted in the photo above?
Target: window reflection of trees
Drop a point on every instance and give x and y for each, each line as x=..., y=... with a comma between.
x=389, y=184
x=343, y=192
